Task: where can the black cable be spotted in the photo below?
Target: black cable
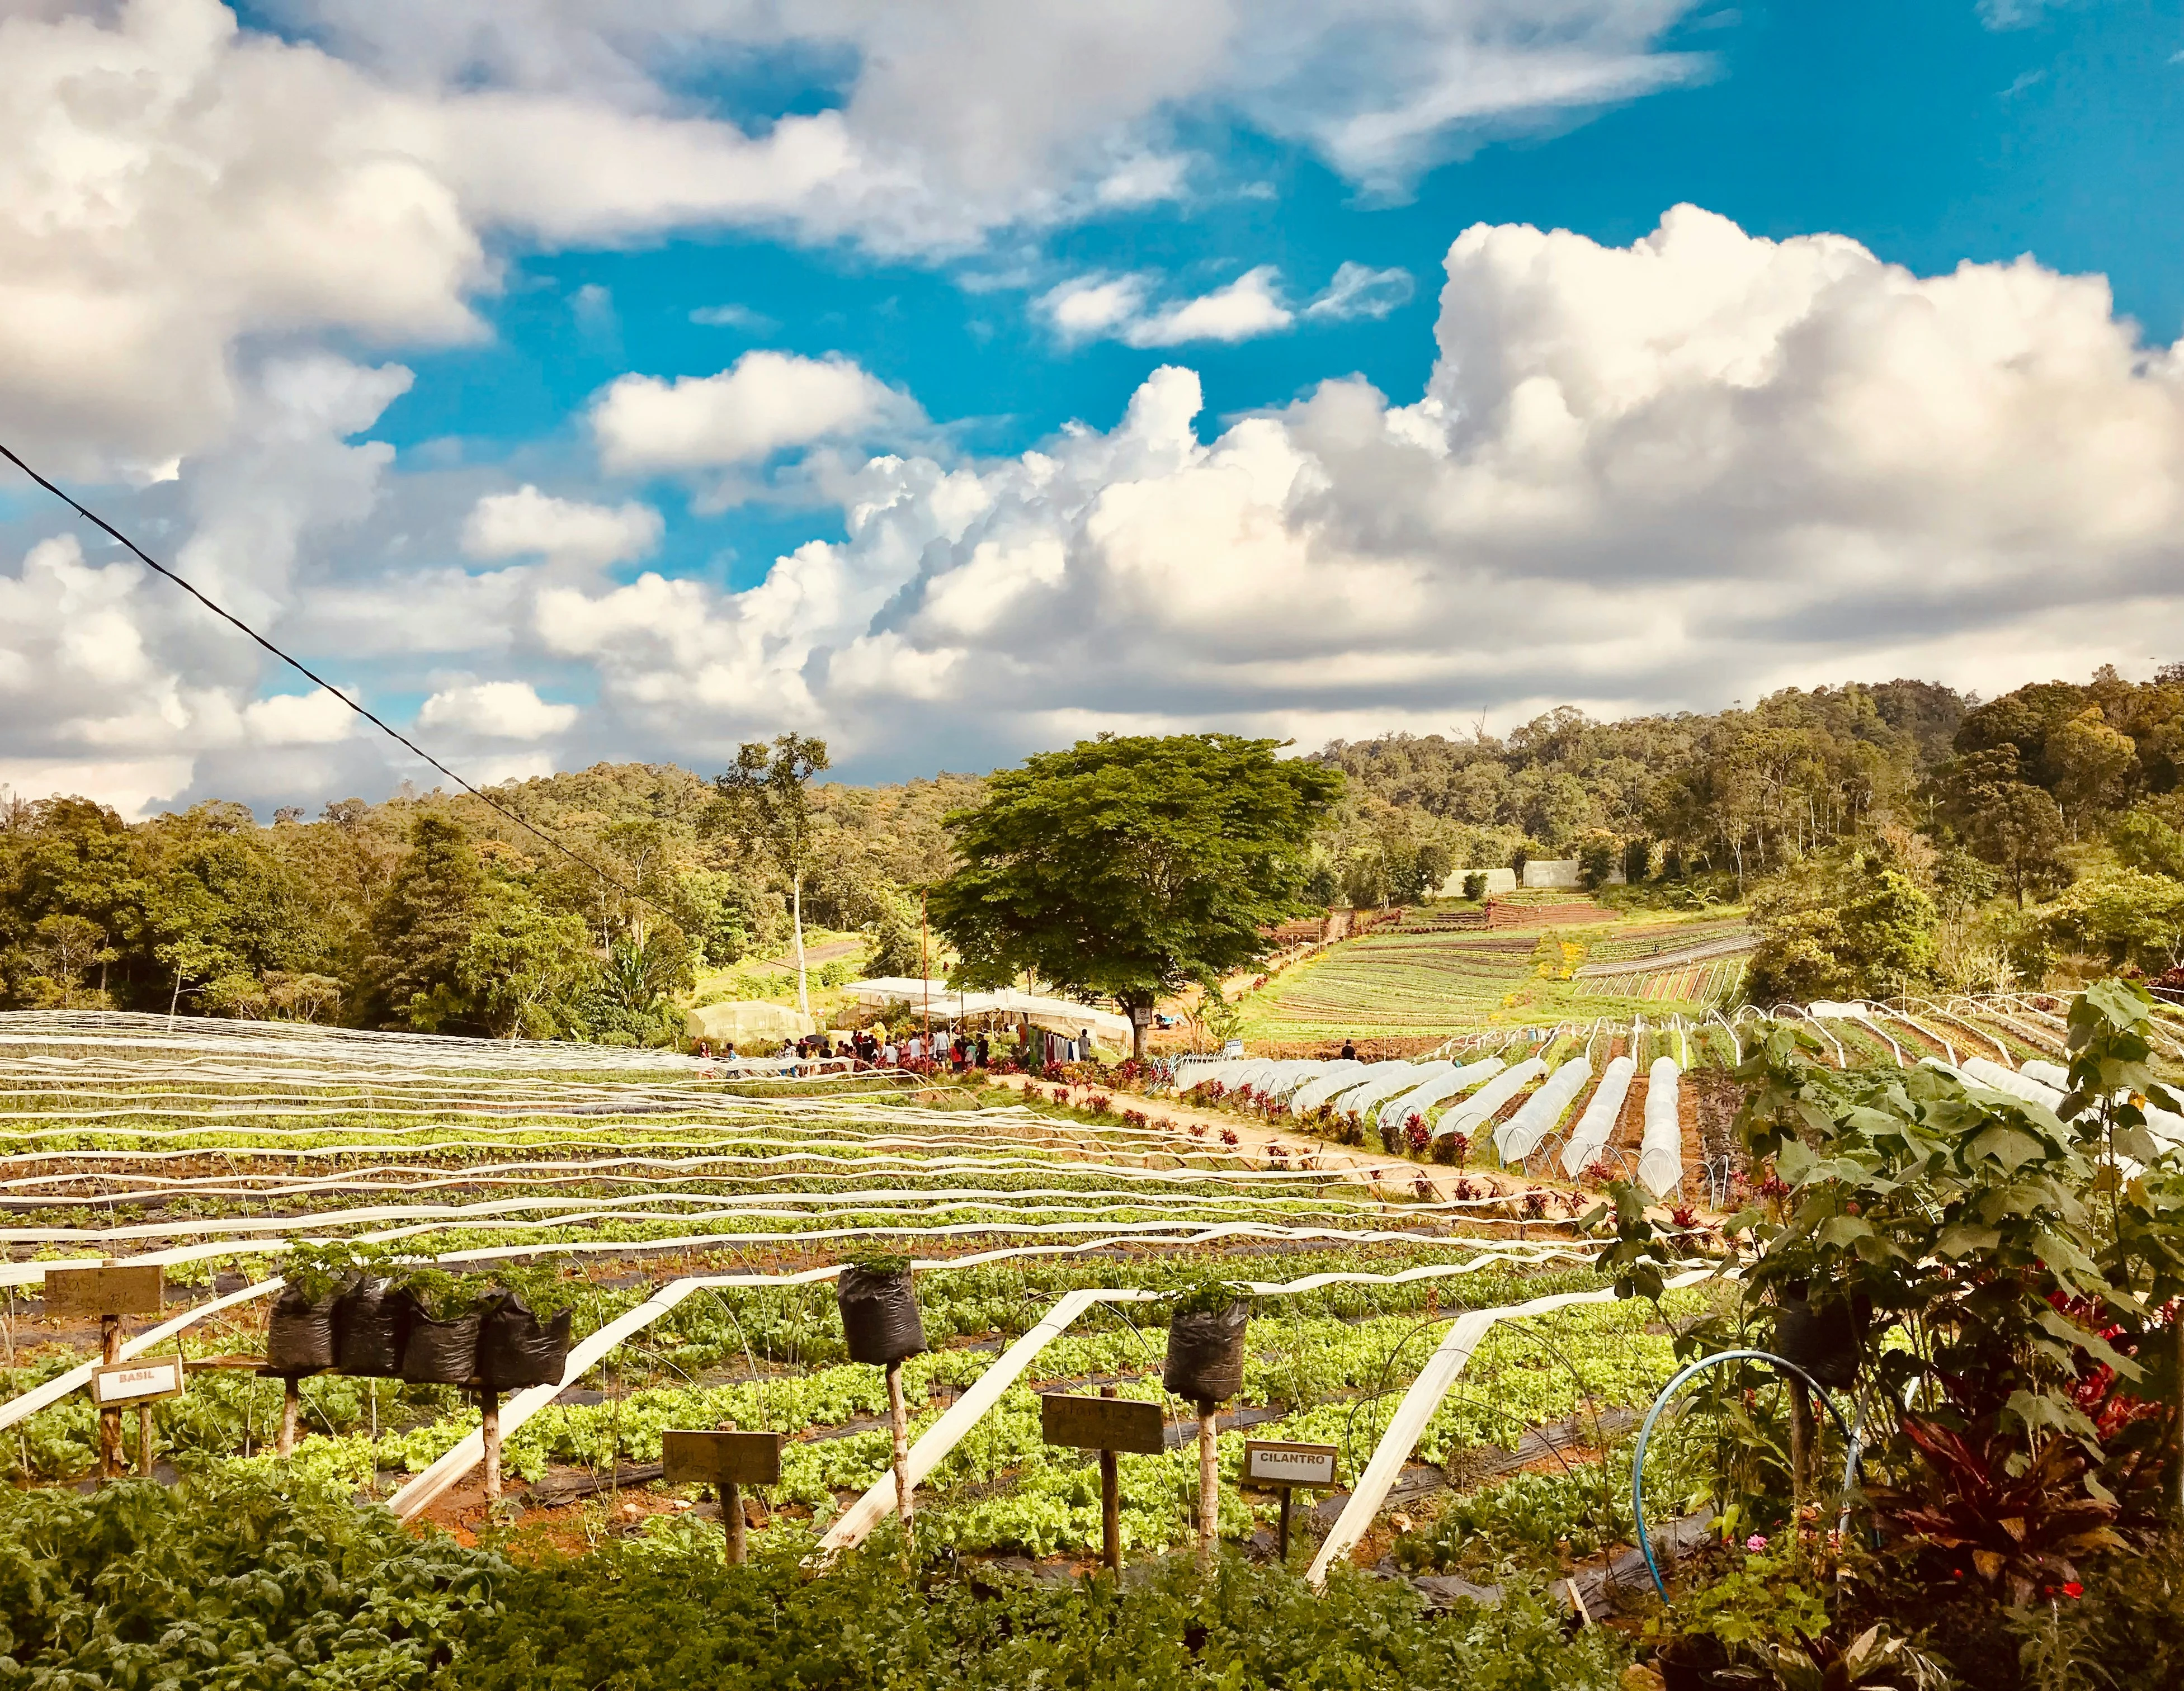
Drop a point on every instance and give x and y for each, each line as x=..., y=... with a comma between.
x=395, y=734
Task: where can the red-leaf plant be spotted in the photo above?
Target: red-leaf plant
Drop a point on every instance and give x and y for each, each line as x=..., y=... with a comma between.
x=1978, y=1520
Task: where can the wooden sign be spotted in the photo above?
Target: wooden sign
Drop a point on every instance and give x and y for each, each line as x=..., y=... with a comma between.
x=712, y=1458
x=138, y=1382
x=1102, y=1424
x=129, y=1290
x=1267, y=1462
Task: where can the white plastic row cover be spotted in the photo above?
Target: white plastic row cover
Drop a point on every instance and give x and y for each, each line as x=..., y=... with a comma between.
x=1518, y=1137
x=1359, y=1099
x=1482, y=1104
x=1661, y=1147
x=1421, y=1098
x=1598, y=1124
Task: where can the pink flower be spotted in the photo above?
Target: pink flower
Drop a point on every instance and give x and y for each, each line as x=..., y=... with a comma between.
x=1755, y=1543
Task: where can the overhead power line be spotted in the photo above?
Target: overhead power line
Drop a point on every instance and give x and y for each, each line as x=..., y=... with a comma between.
x=301, y=669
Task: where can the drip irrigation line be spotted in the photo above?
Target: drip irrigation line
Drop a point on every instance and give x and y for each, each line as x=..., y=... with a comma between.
x=297, y=664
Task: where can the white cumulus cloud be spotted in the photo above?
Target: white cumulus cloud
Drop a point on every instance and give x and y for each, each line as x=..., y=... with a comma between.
x=316, y=718
x=495, y=710
x=1102, y=306
x=1654, y=476
x=1243, y=310
x=1661, y=474
x=529, y=523
x=766, y=403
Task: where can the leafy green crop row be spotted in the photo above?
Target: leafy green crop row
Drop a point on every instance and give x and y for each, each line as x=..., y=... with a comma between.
x=240, y=1582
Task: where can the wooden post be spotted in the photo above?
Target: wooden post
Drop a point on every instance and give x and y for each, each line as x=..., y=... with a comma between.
x=1801, y=1444
x=1209, y=1482
x=1282, y=1543
x=898, y=1424
x=731, y=1514
x=292, y=1403
x=1110, y=1505
x=109, y=1420
x=489, y=1426
x=144, y=1440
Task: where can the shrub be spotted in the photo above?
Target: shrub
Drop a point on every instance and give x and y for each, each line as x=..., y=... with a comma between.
x=638, y=1616
x=228, y=1579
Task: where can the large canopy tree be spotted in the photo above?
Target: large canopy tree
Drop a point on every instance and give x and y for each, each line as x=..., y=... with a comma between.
x=1124, y=867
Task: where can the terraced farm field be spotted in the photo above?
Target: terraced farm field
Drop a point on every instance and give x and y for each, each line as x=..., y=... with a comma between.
x=689, y=1229
x=1423, y=980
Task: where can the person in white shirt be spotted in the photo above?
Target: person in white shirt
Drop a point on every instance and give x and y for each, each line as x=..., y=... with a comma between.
x=915, y=1049
x=889, y=1056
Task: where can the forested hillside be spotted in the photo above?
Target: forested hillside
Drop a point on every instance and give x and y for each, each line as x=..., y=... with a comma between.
x=1739, y=790
x=1887, y=839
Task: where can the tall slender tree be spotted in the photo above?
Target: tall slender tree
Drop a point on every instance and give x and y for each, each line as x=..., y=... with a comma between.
x=764, y=802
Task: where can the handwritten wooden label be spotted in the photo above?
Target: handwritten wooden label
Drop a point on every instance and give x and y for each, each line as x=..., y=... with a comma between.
x=138, y=1382
x=129, y=1290
x=1102, y=1424
x=711, y=1458
x=1267, y=1462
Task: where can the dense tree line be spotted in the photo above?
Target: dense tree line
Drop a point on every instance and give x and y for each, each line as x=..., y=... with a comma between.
x=438, y=912
x=1888, y=837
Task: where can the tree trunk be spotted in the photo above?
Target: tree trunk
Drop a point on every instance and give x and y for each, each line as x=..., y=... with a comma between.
x=796, y=917
x=174, y=1001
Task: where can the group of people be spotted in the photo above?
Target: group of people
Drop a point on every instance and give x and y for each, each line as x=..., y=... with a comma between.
x=873, y=1048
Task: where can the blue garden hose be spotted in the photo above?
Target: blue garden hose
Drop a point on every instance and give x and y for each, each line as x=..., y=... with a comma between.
x=1851, y=1438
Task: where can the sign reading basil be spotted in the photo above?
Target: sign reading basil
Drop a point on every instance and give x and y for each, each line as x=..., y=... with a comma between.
x=138, y=1382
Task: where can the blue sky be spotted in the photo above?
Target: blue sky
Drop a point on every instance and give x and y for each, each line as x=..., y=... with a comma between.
x=370, y=318
x=1920, y=130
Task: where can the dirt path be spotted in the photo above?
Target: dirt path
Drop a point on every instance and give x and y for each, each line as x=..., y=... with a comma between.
x=1383, y=1173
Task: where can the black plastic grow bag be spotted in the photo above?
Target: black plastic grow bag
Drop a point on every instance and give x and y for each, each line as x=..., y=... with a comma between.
x=1826, y=1339
x=1205, y=1355
x=371, y=1321
x=299, y=1338
x=879, y=1316
x=516, y=1349
x=439, y=1353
